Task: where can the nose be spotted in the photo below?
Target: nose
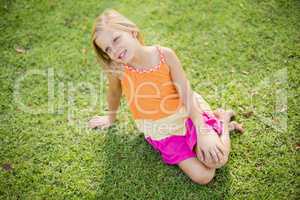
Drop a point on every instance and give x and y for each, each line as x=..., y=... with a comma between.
x=115, y=52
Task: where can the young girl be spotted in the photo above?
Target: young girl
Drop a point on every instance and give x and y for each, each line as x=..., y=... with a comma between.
x=175, y=120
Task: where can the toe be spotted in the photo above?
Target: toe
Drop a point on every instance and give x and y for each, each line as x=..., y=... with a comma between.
x=238, y=127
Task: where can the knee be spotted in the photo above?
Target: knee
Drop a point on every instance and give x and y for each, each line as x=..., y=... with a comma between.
x=219, y=164
x=222, y=162
x=214, y=165
x=204, y=179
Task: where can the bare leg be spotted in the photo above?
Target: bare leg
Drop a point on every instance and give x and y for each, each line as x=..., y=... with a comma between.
x=197, y=171
x=225, y=117
x=233, y=125
x=203, y=173
x=224, y=137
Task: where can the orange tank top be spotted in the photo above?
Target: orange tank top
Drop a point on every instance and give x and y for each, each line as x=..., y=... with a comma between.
x=150, y=93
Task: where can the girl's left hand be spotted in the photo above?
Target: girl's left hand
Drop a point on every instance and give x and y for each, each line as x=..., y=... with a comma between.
x=210, y=145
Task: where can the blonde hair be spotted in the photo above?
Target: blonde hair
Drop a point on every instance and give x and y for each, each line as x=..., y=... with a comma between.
x=115, y=20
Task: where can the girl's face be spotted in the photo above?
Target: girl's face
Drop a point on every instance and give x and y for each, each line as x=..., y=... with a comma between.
x=119, y=45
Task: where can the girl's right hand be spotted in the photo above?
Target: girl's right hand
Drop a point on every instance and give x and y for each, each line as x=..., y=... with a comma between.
x=101, y=122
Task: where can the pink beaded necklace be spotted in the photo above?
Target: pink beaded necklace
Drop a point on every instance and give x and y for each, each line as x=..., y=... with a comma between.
x=152, y=69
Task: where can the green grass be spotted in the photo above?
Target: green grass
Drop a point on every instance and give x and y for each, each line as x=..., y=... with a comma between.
x=227, y=49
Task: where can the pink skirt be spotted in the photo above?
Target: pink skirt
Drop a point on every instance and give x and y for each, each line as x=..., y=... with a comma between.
x=176, y=148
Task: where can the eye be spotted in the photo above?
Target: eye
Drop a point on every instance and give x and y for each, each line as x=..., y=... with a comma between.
x=116, y=39
x=107, y=49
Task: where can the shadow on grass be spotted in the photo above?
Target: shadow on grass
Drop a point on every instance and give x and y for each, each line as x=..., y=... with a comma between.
x=133, y=170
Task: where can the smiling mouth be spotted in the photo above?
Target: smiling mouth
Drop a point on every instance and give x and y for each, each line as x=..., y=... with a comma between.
x=122, y=54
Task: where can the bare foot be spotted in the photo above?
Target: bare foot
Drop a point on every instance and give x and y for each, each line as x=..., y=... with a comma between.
x=223, y=115
x=234, y=126
x=226, y=116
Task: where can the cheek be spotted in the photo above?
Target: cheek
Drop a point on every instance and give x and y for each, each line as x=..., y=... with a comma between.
x=128, y=39
x=111, y=56
x=126, y=42
x=131, y=44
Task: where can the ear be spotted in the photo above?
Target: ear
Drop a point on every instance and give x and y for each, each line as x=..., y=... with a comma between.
x=134, y=34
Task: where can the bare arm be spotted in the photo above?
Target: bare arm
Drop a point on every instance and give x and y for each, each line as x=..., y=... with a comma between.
x=186, y=93
x=113, y=97
x=207, y=140
x=114, y=94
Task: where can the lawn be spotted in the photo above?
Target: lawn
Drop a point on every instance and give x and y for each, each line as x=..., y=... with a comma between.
x=239, y=54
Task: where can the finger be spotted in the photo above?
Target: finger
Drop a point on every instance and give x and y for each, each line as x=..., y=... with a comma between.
x=91, y=125
x=105, y=126
x=98, y=125
x=213, y=155
x=200, y=153
x=203, y=156
x=95, y=126
x=221, y=149
x=97, y=121
x=219, y=154
x=216, y=155
x=207, y=157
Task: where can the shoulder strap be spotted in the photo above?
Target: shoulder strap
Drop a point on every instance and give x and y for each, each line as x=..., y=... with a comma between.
x=161, y=55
